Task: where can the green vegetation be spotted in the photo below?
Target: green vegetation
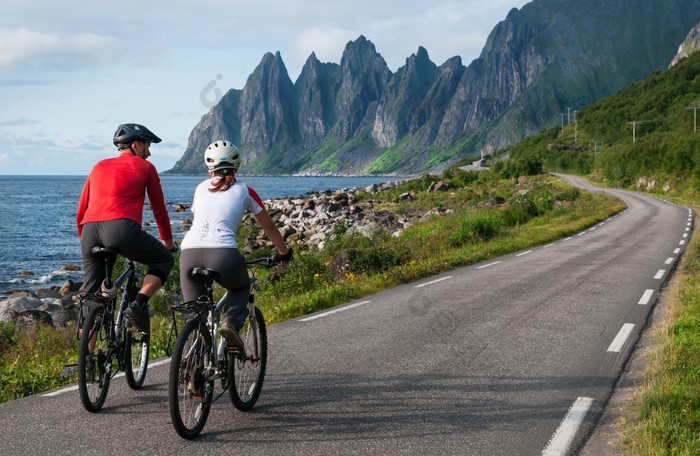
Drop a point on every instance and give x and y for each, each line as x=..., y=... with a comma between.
x=482, y=215
x=664, y=417
x=661, y=146
x=659, y=154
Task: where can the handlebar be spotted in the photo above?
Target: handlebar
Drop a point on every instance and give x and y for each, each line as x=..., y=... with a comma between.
x=265, y=261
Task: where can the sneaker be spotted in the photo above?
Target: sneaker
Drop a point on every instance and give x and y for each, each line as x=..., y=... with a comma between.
x=233, y=340
x=137, y=316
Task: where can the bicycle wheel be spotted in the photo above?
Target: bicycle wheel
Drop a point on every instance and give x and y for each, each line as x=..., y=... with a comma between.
x=247, y=371
x=137, y=349
x=93, y=379
x=189, y=392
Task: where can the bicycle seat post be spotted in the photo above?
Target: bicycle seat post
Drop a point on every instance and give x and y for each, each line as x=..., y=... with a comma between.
x=108, y=255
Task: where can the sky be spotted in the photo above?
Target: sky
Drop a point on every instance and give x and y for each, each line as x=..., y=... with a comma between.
x=70, y=75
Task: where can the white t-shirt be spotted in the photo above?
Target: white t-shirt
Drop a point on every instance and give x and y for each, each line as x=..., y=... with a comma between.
x=217, y=215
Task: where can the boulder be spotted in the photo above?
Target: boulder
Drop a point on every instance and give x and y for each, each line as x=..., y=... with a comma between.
x=341, y=263
x=43, y=293
x=9, y=307
x=405, y=198
x=69, y=287
x=69, y=267
x=26, y=319
x=66, y=314
x=22, y=294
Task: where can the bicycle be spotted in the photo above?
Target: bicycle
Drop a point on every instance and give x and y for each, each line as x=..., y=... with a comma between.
x=106, y=339
x=198, y=360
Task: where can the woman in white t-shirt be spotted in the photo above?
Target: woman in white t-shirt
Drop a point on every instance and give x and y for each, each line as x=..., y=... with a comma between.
x=218, y=206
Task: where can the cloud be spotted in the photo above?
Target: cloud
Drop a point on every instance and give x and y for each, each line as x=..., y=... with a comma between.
x=19, y=122
x=22, y=47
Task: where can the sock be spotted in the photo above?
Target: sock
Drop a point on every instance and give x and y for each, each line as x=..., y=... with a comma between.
x=142, y=300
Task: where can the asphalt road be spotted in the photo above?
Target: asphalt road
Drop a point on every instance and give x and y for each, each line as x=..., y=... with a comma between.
x=514, y=356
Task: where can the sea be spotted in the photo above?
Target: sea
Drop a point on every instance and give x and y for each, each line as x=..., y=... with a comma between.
x=38, y=230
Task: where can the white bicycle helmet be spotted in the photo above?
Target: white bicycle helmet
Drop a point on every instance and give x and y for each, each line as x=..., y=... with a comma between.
x=221, y=155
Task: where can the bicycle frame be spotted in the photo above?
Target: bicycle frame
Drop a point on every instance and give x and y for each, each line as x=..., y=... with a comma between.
x=212, y=322
x=106, y=296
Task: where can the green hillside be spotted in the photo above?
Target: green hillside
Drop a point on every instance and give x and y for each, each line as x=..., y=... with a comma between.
x=644, y=131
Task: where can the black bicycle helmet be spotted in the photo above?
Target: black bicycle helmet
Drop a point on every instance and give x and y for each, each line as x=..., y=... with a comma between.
x=128, y=133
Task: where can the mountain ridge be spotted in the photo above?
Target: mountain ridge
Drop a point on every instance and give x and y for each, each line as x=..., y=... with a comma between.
x=358, y=117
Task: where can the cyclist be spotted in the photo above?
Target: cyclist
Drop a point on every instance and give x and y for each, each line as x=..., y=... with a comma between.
x=110, y=213
x=218, y=206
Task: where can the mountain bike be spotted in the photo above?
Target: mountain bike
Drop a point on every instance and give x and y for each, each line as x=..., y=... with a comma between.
x=199, y=358
x=107, y=344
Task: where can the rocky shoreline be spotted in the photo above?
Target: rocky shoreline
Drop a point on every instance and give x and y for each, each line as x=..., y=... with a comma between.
x=307, y=219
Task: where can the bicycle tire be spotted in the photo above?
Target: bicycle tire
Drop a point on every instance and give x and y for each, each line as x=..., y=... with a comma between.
x=93, y=379
x=138, y=347
x=247, y=372
x=189, y=396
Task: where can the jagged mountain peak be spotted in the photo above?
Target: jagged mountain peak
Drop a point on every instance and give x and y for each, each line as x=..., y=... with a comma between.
x=357, y=116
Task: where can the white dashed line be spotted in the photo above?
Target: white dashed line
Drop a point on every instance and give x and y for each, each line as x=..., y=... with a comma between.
x=325, y=314
x=678, y=250
x=561, y=440
x=433, y=281
x=487, y=265
x=621, y=338
x=120, y=374
x=659, y=274
x=669, y=260
x=524, y=253
x=646, y=297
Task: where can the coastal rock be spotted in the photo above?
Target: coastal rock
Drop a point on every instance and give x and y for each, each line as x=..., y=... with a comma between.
x=42, y=293
x=69, y=267
x=69, y=287
x=25, y=319
x=22, y=294
x=26, y=311
x=66, y=314
x=341, y=263
x=25, y=273
x=9, y=307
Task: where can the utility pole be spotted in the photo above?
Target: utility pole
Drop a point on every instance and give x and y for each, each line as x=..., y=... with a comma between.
x=568, y=115
x=562, y=121
x=695, y=115
x=634, y=129
x=596, y=148
x=575, y=128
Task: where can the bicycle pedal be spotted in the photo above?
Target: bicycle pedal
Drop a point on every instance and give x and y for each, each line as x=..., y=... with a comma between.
x=132, y=330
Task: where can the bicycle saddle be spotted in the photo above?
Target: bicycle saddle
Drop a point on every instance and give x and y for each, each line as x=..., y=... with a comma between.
x=99, y=250
x=204, y=275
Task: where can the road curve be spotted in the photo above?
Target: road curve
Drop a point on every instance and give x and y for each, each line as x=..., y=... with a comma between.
x=515, y=355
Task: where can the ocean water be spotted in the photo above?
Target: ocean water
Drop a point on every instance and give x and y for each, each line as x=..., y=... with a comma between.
x=38, y=230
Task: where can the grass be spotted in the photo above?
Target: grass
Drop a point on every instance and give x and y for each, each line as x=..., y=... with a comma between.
x=537, y=210
x=664, y=416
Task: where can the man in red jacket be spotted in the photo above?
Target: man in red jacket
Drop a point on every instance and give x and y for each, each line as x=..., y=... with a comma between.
x=110, y=214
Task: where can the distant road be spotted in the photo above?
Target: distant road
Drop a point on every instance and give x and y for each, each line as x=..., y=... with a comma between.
x=513, y=356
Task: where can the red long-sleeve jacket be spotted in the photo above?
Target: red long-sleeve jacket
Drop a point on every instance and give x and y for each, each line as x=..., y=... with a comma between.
x=116, y=188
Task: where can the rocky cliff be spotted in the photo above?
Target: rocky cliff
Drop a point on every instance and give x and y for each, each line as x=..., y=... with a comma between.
x=548, y=58
x=689, y=46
